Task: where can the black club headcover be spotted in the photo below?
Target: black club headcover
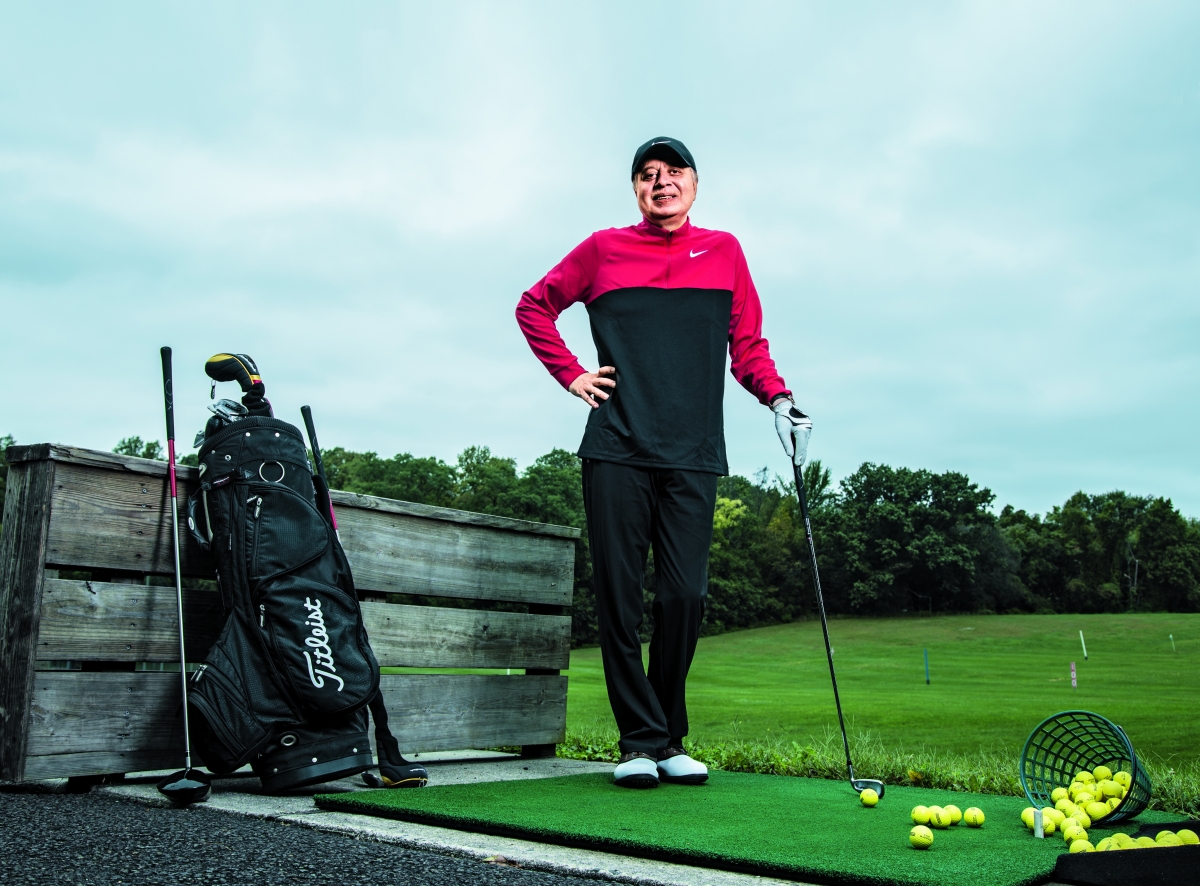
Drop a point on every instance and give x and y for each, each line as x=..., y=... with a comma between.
x=241, y=369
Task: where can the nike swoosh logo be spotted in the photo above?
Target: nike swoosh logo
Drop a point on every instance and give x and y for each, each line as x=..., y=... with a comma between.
x=694, y=254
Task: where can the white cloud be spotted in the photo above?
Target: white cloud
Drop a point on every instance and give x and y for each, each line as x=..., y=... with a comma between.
x=973, y=225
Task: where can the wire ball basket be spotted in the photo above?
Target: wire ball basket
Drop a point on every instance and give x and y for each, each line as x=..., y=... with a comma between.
x=1071, y=741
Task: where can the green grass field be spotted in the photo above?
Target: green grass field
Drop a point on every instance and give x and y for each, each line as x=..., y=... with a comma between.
x=994, y=678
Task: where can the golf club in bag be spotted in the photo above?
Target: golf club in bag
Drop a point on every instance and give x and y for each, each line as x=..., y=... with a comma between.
x=394, y=770
x=188, y=785
x=859, y=784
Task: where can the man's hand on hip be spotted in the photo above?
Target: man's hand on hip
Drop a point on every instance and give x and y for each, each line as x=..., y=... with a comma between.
x=793, y=427
x=593, y=386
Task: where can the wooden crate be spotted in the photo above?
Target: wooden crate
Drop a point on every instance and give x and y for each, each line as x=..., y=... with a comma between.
x=76, y=698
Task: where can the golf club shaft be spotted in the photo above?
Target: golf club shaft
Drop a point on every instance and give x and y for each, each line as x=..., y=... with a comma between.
x=319, y=464
x=812, y=559
x=169, y=397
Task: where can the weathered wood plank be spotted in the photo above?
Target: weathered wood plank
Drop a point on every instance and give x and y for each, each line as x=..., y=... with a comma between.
x=127, y=713
x=441, y=712
x=119, y=520
x=98, y=621
x=393, y=553
x=93, y=723
x=96, y=458
x=27, y=511
x=147, y=467
x=437, y=637
x=103, y=762
x=449, y=515
x=107, y=519
x=102, y=621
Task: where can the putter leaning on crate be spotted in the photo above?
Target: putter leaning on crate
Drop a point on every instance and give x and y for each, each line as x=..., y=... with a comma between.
x=666, y=300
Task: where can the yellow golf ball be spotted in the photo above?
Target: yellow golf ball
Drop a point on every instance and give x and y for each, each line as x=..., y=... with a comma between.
x=1081, y=846
x=1168, y=839
x=1123, y=778
x=920, y=837
x=974, y=817
x=954, y=811
x=1085, y=820
x=920, y=815
x=1069, y=822
x=1084, y=777
x=1056, y=814
x=1187, y=837
x=939, y=818
x=1096, y=811
x=1085, y=797
x=1027, y=816
x=869, y=797
x=1103, y=845
x=1073, y=833
x=1109, y=789
x=1059, y=793
x=1101, y=772
x=1145, y=842
x=1114, y=802
x=1064, y=804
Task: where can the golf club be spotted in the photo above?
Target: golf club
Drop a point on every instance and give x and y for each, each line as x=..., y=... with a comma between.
x=320, y=482
x=188, y=785
x=859, y=784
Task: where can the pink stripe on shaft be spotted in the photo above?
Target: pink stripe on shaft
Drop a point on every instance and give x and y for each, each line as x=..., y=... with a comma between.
x=171, y=464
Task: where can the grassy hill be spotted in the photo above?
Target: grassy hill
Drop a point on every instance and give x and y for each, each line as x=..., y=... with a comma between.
x=994, y=678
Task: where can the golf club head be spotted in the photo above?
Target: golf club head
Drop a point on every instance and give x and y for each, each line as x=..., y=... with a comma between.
x=185, y=787
x=228, y=410
x=861, y=784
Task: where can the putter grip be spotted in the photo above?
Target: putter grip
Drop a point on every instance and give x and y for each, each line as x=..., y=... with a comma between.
x=168, y=392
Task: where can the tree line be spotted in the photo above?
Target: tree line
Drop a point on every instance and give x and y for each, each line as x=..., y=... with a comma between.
x=890, y=541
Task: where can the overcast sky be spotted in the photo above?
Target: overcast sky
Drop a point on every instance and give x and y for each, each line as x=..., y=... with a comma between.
x=975, y=228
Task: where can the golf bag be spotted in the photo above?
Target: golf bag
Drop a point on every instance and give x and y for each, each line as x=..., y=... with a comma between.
x=288, y=683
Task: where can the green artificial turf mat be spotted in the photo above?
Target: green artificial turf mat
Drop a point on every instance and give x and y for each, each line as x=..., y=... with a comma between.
x=809, y=829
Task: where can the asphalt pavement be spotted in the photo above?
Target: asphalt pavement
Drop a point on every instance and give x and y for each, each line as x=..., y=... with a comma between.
x=97, y=838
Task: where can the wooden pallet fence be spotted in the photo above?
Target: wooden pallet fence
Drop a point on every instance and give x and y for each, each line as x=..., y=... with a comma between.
x=87, y=610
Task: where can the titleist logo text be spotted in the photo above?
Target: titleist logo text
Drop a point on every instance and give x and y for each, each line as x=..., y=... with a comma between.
x=319, y=643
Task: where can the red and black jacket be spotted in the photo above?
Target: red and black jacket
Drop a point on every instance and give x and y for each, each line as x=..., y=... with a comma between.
x=663, y=305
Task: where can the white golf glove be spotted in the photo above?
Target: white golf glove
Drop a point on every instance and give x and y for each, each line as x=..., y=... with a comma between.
x=794, y=429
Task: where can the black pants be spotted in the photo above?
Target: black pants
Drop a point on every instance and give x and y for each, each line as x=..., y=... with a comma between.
x=628, y=510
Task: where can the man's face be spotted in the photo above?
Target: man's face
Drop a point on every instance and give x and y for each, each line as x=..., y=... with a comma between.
x=665, y=193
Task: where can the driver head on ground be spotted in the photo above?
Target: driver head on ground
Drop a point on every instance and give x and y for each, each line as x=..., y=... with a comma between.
x=665, y=182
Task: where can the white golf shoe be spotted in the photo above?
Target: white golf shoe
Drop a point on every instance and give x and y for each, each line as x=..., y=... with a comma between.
x=636, y=771
x=674, y=765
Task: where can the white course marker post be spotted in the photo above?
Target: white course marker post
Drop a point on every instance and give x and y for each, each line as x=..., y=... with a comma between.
x=1084, y=645
x=1073, y=683
x=1037, y=824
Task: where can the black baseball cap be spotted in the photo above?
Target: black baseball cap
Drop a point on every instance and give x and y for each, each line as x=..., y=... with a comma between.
x=672, y=150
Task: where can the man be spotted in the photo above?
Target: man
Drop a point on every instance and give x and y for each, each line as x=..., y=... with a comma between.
x=665, y=299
